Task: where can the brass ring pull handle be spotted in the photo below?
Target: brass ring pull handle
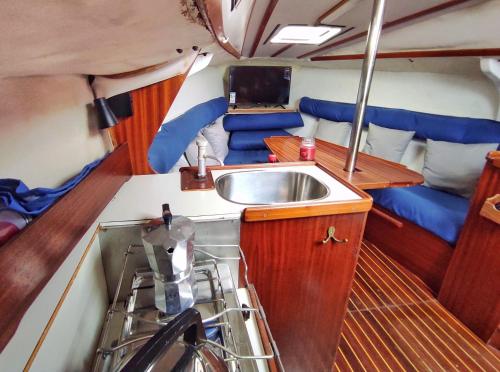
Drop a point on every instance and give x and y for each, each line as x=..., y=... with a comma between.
x=331, y=236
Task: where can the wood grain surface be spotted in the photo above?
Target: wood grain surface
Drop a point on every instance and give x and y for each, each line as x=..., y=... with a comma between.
x=191, y=182
x=394, y=323
x=150, y=106
x=303, y=284
x=471, y=287
x=372, y=172
x=387, y=25
x=484, y=52
x=424, y=254
x=30, y=259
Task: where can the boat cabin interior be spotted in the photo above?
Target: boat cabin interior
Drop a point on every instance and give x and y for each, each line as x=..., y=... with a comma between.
x=250, y=185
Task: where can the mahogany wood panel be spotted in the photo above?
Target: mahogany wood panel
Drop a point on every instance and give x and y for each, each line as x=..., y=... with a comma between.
x=471, y=287
x=259, y=110
x=282, y=50
x=422, y=253
x=330, y=11
x=212, y=13
x=269, y=213
x=150, y=105
x=190, y=182
x=30, y=259
x=372, y=172
x=395, y=324
x=303, y=285
x=489, y=52
x=397, y=22
x=262, y=27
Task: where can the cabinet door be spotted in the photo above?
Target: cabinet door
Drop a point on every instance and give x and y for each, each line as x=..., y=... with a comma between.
x=302, y=283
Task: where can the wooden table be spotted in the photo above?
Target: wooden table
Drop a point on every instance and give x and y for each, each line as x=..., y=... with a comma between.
x=371, y=172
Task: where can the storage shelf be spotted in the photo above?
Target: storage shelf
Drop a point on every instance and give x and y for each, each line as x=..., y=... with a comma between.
x=259, y=110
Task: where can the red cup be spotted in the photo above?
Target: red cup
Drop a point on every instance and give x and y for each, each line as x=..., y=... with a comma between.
x=272, y=158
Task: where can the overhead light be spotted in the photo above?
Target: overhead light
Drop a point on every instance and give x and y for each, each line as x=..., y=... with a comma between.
x=305, y=34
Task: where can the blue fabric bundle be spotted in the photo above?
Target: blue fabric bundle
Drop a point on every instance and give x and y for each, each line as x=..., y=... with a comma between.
x=16, y=196
x=436, y=127
x=242, y=122
x=253, y=139
x=174, y=136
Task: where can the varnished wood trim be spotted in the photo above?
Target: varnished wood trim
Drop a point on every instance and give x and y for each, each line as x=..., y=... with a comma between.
x=417, y=54
x=262, y=27
x=30, y=259
x=282, y=50
x=396, y=22
x=212, y=13
x=371, y=172
x=395, y=324
x=406, y=245
x=259, y=110
x=494, y=158
x=190, y=182
x=387, y=217
x=266, y=343
x=46, y=330
x=470, y=287
x=262, y=165
x=330, y=11
x=269, y=213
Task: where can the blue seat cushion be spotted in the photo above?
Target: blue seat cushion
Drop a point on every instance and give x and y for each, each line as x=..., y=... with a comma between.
x=174, y=136
x=246, y=157
x=440, y=213
x=253, y=139
x=278, y=120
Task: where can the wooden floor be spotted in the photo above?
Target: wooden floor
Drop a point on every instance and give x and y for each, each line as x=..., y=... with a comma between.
x=395, y=324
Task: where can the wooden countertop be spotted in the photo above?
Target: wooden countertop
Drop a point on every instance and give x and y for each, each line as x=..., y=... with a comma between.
x=372, y=172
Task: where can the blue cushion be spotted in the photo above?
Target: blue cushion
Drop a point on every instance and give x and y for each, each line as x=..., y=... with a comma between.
x=174, y=136
x=253, y=139
x=441, y=213
x=435, y=127
x=262, y=121
x=246, y=157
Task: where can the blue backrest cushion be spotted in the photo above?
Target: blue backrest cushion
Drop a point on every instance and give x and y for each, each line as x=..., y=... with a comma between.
x=253, y=139
x=436, y=127
x=262, y=121
x=174, y=136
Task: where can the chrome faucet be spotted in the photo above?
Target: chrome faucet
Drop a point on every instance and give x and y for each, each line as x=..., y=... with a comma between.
x=202, y=156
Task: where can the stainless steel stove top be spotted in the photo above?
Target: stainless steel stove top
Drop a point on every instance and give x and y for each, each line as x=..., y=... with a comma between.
x=132, y=318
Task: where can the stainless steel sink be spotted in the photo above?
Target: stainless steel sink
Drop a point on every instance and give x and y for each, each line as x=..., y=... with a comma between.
x=269, y=187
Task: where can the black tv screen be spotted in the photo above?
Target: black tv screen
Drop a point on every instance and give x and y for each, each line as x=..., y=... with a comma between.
x=259, y=85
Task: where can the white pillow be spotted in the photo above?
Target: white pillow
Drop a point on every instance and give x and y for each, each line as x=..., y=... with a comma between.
x=386, y=143
x=217, y=137
x=334, y=131
x=192, y=153
x=455, y=167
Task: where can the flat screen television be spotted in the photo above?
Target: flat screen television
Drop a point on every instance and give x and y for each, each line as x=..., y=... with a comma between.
x=259, y=85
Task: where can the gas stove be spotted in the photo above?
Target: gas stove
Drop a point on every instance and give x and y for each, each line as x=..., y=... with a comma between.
x=233, y=319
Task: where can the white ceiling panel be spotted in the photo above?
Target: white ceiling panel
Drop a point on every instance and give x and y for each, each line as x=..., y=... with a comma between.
x=94, y=37
x=474, y=27
x=359, y=18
